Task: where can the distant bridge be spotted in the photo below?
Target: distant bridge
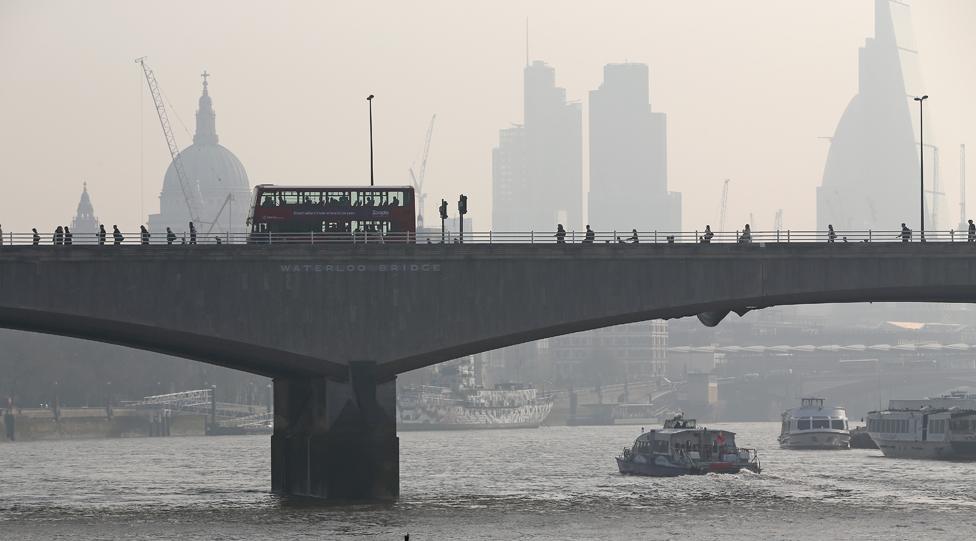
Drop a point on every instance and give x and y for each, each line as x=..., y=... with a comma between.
x=334, y=323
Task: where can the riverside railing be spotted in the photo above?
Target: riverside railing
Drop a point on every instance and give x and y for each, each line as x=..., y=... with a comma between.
x=785, y=236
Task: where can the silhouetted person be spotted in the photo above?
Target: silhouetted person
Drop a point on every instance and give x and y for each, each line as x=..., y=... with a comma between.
x=906, y=233
x=59, y=236
x=746, y=235
x=117, y=237
x=590, y=235
x=101, y=234
x=706, y=237
x=193, y=234
x=633, y=237
x=560, y=234
x=217, y=239
x=67, y=236
x=831, y=235
x=144, y=235
x=37, y=238
x=972, y=231
x=170, y=236
x=395, y=203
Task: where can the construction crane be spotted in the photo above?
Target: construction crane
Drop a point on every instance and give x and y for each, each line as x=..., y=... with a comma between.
x=725, y=202
x=174, y=151
x=418, y=180
x=228, y=202
x=778, y=220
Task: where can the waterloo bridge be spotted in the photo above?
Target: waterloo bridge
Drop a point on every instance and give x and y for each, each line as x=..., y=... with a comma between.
x=334, y=323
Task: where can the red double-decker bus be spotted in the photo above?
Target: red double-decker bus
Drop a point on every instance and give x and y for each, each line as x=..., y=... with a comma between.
x=341, y=213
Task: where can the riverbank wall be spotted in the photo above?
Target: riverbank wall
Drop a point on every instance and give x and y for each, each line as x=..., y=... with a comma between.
x=89, y=423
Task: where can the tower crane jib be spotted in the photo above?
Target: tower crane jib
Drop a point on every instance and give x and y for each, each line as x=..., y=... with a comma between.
x=418, y=179
x=174, y=150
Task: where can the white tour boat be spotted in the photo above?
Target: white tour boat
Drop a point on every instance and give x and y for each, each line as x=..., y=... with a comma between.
x=812, y=426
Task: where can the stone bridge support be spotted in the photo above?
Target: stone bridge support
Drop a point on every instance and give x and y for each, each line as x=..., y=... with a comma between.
x=336, y=440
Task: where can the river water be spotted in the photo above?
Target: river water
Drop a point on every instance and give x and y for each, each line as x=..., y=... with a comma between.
x=550, y=483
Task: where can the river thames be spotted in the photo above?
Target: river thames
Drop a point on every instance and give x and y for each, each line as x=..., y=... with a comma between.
x=549, y=483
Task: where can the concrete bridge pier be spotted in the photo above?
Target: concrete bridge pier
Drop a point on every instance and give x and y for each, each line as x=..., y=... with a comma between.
x=336, y=440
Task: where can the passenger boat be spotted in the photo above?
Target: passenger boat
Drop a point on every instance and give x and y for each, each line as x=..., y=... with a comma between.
x=940, y=428
x=812, y=426
x=683, y=448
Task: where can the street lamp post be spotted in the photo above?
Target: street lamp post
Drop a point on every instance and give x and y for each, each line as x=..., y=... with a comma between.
x=370, y=100
x=921, y=160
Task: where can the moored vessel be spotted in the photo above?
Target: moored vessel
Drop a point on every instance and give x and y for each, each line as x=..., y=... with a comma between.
x=459, y=402
x=813, y=426
x=940, y=428
x=684, y=448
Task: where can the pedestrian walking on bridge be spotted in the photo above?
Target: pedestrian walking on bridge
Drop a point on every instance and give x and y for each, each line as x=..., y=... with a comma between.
x=831, y=235
x=706, y=237
x=193, y=234
x=590, y=235
x=906, y=233
x=633, y=237
x=59, y=236
x=117, y=235
x=560, y=234
x=170, y=236
x=972, y=232
x=67, y=236
x=101, y=234
x=746, y=236
x=37, y=237
x=144, y=234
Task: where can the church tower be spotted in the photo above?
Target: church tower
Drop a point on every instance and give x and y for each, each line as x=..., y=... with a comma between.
x=84, y=221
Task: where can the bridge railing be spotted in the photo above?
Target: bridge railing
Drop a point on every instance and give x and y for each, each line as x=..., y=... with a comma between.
x=784, y=236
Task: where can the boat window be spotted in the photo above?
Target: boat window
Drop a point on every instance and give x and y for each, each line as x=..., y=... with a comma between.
x=838, y=424
x=803, y=424
x=962, y=425
x=821, y=423
x=937, y=426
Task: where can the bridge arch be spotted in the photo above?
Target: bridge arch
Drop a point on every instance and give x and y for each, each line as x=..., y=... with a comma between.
x=198, y=347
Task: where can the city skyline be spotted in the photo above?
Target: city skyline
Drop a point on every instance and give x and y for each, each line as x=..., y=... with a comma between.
x=94, y=126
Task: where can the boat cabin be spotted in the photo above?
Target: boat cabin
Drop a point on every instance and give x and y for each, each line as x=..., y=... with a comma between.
x=813, y=416
x=681, y=438
x=812, y=403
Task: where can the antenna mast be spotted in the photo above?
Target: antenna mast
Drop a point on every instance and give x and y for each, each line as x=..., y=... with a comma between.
x=962, y=188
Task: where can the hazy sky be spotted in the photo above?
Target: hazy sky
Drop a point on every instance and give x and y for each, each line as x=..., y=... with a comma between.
x=748, y=86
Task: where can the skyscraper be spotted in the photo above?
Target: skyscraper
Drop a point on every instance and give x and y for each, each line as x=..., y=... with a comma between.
x=870, y=180
x=510, y=194
x=629, y=156
x=216, y=181
x=537, y=169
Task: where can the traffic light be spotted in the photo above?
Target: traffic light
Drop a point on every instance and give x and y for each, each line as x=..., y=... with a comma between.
x=443, y=209
x=463, y=205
